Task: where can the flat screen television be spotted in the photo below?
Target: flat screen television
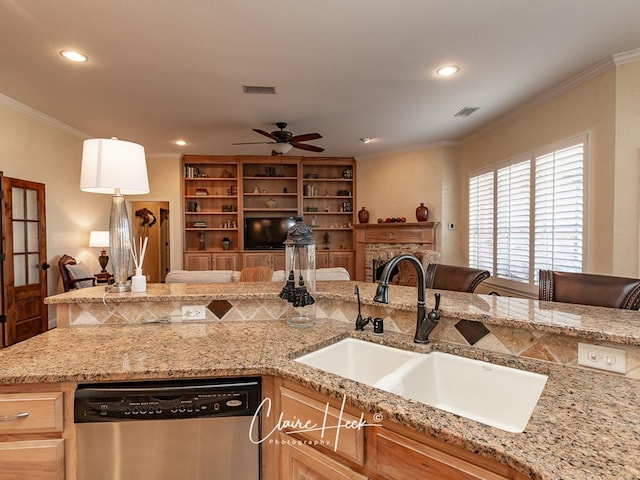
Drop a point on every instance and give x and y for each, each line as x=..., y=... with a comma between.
x=266, y=233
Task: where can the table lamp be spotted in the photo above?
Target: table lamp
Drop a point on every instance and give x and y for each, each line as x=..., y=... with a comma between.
x=115, y=167
x=100, y=239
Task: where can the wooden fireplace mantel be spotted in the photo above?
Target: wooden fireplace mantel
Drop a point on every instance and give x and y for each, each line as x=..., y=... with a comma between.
x=419, y=234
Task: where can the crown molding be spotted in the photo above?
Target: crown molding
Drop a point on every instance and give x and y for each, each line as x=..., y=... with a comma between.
x=33, y=113
x=626, y=57
x=570, y=83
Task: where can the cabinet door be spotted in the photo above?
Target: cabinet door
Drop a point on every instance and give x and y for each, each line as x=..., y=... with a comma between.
x=322, y=259
x=300, y=462
x=197, y=261
x=278, y=261
x=256, y=260
x=225, y=261
x=32, y=460
x=342, y=259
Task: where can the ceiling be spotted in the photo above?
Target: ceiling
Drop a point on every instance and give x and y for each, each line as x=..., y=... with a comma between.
x=160, y=70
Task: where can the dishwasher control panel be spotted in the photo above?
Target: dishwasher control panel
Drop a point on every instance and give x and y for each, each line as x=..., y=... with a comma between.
x=165, y=400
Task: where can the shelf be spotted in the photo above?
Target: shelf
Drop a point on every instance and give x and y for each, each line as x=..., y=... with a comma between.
x=214, y=250
x=211, y=213
x=212, y=196
x=210, y=229
x=328, y=213
x=281, y=194
x=270, y=209
x=270, y=178
x=212, y=178
x=340, y=229
x=327, y=179
x=329, y=197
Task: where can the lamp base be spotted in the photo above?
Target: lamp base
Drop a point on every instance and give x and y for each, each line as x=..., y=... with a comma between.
x=118, y=288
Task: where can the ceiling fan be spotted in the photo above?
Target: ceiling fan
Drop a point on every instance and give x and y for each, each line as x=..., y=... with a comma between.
x=283, y=140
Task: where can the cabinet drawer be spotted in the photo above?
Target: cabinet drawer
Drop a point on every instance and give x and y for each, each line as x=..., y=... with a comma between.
x=31, y=413
x=350, y=441
x=398, y=457
x=32, y=460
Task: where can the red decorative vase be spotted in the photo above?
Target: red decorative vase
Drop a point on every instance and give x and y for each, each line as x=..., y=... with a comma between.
x=363, y=215
x=422, y=213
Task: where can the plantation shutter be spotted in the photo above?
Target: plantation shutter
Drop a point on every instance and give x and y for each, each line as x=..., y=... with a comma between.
x=559, y=207
x=513, y=208
x=481, y=221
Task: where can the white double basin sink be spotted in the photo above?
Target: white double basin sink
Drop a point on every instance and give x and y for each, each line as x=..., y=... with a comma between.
x=494, y=395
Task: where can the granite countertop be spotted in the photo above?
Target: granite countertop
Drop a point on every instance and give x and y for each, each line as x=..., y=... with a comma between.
x=585, y=426
x=590, y=323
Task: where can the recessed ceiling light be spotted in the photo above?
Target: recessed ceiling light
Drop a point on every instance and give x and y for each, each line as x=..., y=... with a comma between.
x=447, y=70
x=182, y=143
x=366, y=139
x=74, y=56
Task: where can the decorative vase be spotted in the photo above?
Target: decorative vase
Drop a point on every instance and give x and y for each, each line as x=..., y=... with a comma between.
x=139, y=282
x=363, y=215
x=422, y=213
x=226, y=243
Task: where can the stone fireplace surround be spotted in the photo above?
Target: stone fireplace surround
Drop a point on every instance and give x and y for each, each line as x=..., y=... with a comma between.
x=382, y=241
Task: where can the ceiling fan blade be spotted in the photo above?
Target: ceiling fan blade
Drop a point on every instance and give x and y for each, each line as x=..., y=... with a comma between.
x=266, y=134
x=311, y=148
x=254, y=143
x=306, y=137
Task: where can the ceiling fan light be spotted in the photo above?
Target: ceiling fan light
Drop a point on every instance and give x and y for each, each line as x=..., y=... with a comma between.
x=282, y=148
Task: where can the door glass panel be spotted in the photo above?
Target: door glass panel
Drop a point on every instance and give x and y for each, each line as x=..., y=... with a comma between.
x=19, y=270
x=18, y=237
x=34, y=269
x=32, y=205
x=33, y=244
x=17, y=198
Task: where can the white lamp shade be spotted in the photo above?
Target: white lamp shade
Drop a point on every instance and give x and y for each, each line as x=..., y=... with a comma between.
x=282, y=147
x=99, y=238
x=112, y=165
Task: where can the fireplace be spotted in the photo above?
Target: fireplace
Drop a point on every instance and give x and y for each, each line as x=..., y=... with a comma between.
x=377, y=266
x=377, y=243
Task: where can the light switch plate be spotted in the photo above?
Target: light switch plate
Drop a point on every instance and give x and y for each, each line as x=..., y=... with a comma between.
x=603, y=358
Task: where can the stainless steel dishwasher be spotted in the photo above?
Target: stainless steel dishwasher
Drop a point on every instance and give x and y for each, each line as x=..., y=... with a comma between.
x=186, y=430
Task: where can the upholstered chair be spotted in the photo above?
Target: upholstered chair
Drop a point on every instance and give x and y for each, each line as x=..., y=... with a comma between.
x=453, y=277
x=589, y=289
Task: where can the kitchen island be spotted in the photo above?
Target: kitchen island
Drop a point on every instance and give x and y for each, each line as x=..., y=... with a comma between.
x=585, y=426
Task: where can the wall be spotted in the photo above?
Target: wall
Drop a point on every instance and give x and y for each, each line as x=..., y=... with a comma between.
x=627, y=172
x=36, y=151
x=164, y=183
x=394, y=185
x=589, y=107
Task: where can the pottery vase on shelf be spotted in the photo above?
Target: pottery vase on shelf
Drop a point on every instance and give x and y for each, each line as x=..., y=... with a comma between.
x=226, y=243
x=422, y=213
x=363, y=215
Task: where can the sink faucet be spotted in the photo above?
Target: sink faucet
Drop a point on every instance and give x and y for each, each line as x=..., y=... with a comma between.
x=425, y=322
x=360, y=322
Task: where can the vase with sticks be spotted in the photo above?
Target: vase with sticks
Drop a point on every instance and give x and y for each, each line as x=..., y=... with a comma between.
x=138, y=281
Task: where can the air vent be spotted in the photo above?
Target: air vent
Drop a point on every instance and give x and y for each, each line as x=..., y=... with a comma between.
x=466, y=111
x=259, y=90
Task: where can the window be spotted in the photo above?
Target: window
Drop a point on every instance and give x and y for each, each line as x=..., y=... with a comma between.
x=527, y=214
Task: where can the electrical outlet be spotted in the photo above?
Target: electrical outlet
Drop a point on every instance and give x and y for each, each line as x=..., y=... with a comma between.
x=603, y=358
x=194, y=312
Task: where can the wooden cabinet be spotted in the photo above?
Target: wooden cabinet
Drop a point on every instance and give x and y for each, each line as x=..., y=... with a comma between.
x=33, y=437
x=381, y=450
x=221, y=192
x=301, y=462
x=210, y=203
x=274, y=260
x=328, y=259
x=211, y=261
